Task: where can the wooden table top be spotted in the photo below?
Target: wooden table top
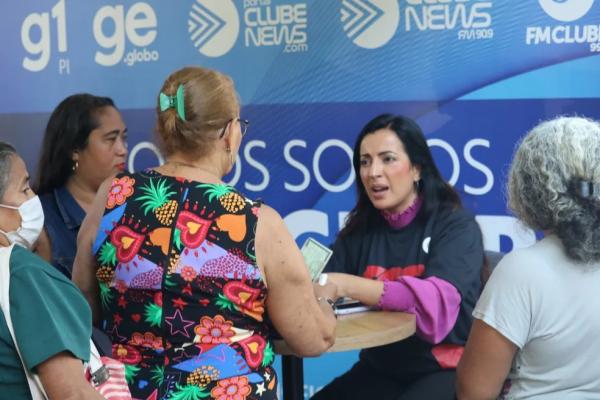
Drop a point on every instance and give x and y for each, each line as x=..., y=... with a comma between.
x=364, y=330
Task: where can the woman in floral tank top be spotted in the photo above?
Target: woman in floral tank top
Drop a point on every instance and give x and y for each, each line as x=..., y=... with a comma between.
x=175, y=263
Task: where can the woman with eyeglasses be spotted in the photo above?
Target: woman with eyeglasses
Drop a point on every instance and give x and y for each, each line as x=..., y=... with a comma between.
x=181, y=269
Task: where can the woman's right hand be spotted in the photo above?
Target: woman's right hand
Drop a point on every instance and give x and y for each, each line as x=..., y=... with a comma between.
x=308, y=326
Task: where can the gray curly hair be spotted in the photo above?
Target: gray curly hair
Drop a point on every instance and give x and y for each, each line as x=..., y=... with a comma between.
x=6, y=151
x=545, y=178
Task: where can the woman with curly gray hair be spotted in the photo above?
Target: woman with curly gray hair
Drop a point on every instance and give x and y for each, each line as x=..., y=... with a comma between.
x=536, y=327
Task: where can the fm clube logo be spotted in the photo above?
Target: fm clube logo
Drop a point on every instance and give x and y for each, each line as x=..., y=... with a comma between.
x=213, y=26
x=572, y=34
x=370, y=23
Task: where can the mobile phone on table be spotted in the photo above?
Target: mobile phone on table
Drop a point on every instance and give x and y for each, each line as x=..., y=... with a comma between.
x=316, y=256
x=350, y=306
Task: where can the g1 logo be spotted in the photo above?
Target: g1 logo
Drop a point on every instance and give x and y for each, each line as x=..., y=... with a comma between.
x=566, y=10
x=138, y=25
x=42, y=48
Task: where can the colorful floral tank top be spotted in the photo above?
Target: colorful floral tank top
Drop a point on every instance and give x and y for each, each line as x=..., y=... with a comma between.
x=180, y=292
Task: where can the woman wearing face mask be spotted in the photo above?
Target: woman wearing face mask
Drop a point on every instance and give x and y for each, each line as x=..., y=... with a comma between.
x=28, y=231
x=90, y=131
x=50, y=318
x=29, y=234
x=408, y=245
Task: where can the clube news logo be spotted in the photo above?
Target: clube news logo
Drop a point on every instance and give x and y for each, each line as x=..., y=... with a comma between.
x=565, y=32
x=372, y=23
x=214, y=25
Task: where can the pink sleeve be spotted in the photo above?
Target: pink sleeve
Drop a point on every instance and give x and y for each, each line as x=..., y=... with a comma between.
x=434, y=301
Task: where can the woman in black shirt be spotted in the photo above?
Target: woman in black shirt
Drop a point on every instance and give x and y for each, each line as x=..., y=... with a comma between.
x=408, y=245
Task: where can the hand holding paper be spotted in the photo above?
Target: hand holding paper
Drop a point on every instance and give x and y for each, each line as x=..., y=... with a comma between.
x=316, y=256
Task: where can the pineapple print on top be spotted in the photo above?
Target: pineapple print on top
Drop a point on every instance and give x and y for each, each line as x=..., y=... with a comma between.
x=181, y=296
x=157, y=198
x=229, y=199
x=233, y=224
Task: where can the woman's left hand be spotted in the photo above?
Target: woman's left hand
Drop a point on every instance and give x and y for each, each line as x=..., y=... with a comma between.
x=328, y=290
x=340, y=281
x=365, y=290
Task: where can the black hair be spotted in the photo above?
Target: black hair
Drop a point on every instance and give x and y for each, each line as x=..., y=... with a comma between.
x=68, y=130
x=434, y=190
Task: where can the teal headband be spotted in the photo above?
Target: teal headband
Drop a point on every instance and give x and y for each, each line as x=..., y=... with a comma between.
x=176, y=102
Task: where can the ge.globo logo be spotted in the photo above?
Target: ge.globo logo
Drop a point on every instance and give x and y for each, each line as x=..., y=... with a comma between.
x=370, y=23
x=115, y=27
x=213, y=26
x=566, y=10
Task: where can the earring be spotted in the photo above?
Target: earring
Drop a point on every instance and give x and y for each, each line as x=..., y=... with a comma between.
x=75, y=165
x=418, y=185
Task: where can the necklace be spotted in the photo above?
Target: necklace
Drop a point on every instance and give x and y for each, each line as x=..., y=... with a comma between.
x=177, y=163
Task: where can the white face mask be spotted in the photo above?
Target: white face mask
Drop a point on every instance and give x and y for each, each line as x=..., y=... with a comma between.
x=32, y=222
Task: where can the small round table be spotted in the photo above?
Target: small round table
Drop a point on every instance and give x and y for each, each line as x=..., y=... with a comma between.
x=353, y=331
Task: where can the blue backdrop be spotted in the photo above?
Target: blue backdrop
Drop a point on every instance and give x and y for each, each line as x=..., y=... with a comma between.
x=475, y=74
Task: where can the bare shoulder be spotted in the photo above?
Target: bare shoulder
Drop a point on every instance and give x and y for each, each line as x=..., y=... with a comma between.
x=268, y=214
x=269, y=220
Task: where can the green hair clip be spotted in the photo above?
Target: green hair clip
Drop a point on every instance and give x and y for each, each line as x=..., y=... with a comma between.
x=176, y=102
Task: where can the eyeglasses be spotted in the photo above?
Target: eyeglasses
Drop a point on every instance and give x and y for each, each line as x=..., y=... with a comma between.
x=243, y=126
